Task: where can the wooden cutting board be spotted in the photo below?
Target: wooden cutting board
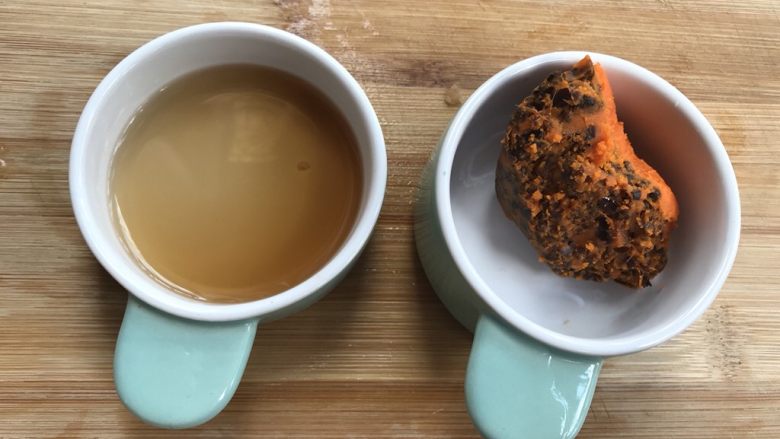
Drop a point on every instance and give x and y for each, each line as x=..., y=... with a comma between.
x=380, y=356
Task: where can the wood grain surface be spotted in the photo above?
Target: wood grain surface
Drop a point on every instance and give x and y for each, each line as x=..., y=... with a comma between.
x=380, y=356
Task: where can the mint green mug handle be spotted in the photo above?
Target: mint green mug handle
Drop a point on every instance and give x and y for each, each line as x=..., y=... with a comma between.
x=178, y=373
x=517, y=387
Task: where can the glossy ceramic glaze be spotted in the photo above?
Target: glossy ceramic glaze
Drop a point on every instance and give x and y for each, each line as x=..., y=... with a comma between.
x=182, y=384
x=515, y=385
x=482, y=266
x=505, y=367
x=149, y=368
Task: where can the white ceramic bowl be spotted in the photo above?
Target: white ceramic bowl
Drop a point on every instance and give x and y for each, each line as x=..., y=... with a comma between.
x=178, y=360
x=160, y=61
x=670, y=133
x=488, y=275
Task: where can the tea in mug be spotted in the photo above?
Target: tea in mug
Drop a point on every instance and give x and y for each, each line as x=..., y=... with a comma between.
x=236, y=182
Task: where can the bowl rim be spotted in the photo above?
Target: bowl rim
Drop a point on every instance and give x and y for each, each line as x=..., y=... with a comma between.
x=163, y=298
x=588, y=346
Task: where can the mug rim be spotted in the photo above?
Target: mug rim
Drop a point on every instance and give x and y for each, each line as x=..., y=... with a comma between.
x=588, y=346
x=166, y=299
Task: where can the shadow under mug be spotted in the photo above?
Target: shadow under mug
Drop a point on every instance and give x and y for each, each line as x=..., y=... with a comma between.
x=178, y=361
x=539, y=339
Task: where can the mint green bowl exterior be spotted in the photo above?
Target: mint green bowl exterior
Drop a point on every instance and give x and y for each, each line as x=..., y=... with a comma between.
x=516, y=387
x=178, y=361
x=539, y=338
x=178, y=373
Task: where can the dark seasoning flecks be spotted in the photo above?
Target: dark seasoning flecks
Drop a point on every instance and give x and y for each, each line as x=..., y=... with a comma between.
x=580, y=225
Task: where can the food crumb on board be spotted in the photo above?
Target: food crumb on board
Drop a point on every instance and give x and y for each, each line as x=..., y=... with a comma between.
x=453, y=96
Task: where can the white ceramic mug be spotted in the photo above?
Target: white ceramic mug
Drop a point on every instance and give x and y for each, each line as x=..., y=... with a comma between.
x=178, y=360
x=540, y=338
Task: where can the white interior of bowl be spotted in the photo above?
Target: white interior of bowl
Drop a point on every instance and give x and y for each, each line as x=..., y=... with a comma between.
x=582, y=316
x=161, y=61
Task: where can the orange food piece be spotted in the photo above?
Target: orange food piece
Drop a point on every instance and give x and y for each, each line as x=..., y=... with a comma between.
x=617, y=147
x=570, y=179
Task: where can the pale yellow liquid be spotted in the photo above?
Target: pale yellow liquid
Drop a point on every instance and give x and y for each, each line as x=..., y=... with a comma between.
x=236, y=183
